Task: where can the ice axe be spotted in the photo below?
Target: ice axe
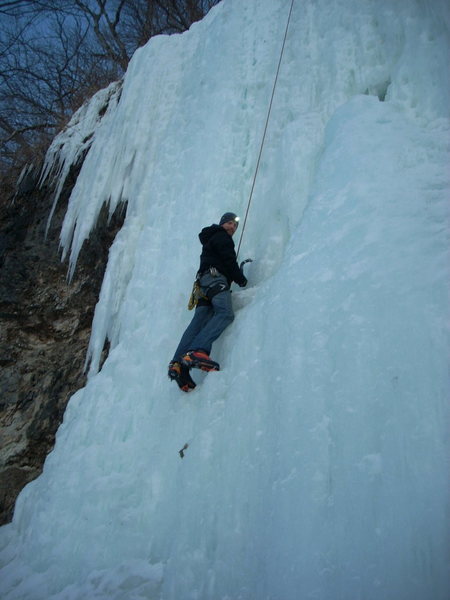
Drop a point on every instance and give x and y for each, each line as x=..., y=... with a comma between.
x=241, y=266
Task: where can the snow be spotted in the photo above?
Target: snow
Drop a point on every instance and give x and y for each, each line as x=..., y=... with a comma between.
x=316, y=465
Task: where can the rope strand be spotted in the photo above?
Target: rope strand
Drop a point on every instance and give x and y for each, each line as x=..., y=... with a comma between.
x=265, y=129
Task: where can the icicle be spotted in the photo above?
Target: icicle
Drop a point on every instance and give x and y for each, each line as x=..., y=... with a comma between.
x=69, y=147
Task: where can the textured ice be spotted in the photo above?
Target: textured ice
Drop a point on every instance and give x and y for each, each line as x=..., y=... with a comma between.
x=69, y=146
x=316, y=461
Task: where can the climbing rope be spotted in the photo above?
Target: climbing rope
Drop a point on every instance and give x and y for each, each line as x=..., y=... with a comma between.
x=265, y=129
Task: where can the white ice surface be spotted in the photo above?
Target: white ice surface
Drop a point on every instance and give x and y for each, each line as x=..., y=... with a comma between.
x=317, y=465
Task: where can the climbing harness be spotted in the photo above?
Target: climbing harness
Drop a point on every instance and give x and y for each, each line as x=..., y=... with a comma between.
x=207, y=292
x=201, y=293
x=265, y=128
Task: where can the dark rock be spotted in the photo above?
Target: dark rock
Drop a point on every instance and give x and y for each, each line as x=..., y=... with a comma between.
x=44, y=330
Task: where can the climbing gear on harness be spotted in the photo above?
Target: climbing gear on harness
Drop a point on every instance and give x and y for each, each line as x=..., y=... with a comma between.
x=212, y=271
x=196, y=295
x=265, y=128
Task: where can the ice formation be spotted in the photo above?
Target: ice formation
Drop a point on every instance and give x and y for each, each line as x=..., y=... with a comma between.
x=316, y=459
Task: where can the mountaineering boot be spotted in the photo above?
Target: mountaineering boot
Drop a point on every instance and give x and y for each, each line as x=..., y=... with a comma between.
x=180, y=373
x=198, y=359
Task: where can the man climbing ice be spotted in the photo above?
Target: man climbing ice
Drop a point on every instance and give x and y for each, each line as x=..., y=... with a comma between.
x=214, y=312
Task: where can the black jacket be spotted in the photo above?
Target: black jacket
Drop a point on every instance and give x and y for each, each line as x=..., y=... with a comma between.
x=218, y=251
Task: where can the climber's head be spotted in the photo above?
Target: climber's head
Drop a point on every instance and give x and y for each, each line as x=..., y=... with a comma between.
x=229, y=221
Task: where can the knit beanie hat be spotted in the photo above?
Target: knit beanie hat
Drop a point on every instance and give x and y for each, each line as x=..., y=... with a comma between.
x=229, y=216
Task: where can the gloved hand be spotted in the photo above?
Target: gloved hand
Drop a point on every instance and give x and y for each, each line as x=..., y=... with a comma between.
x=244, y=281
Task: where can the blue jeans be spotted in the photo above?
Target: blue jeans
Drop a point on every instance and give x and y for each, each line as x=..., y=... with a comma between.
x=207, y=323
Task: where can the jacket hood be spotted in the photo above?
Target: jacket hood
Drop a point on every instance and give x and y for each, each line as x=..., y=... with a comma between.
x=207, y=232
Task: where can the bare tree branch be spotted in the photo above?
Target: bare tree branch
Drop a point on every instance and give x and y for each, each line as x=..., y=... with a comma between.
x=54, y=54
x=18, y=132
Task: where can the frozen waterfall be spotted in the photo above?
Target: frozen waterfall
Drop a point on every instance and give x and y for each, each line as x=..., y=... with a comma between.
x=317, y=465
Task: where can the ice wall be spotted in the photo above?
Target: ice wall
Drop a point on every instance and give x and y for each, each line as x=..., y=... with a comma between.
x=316, y=465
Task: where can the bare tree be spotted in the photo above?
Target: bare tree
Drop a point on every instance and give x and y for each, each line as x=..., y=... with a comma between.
x=48, y=67
x=121, y=26
x=54, y=54
x=106, y=19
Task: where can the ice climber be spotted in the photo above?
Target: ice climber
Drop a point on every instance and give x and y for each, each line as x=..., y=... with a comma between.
x=213, y=312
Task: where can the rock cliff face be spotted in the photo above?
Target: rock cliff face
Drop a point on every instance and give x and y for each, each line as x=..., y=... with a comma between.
x=44, y=331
